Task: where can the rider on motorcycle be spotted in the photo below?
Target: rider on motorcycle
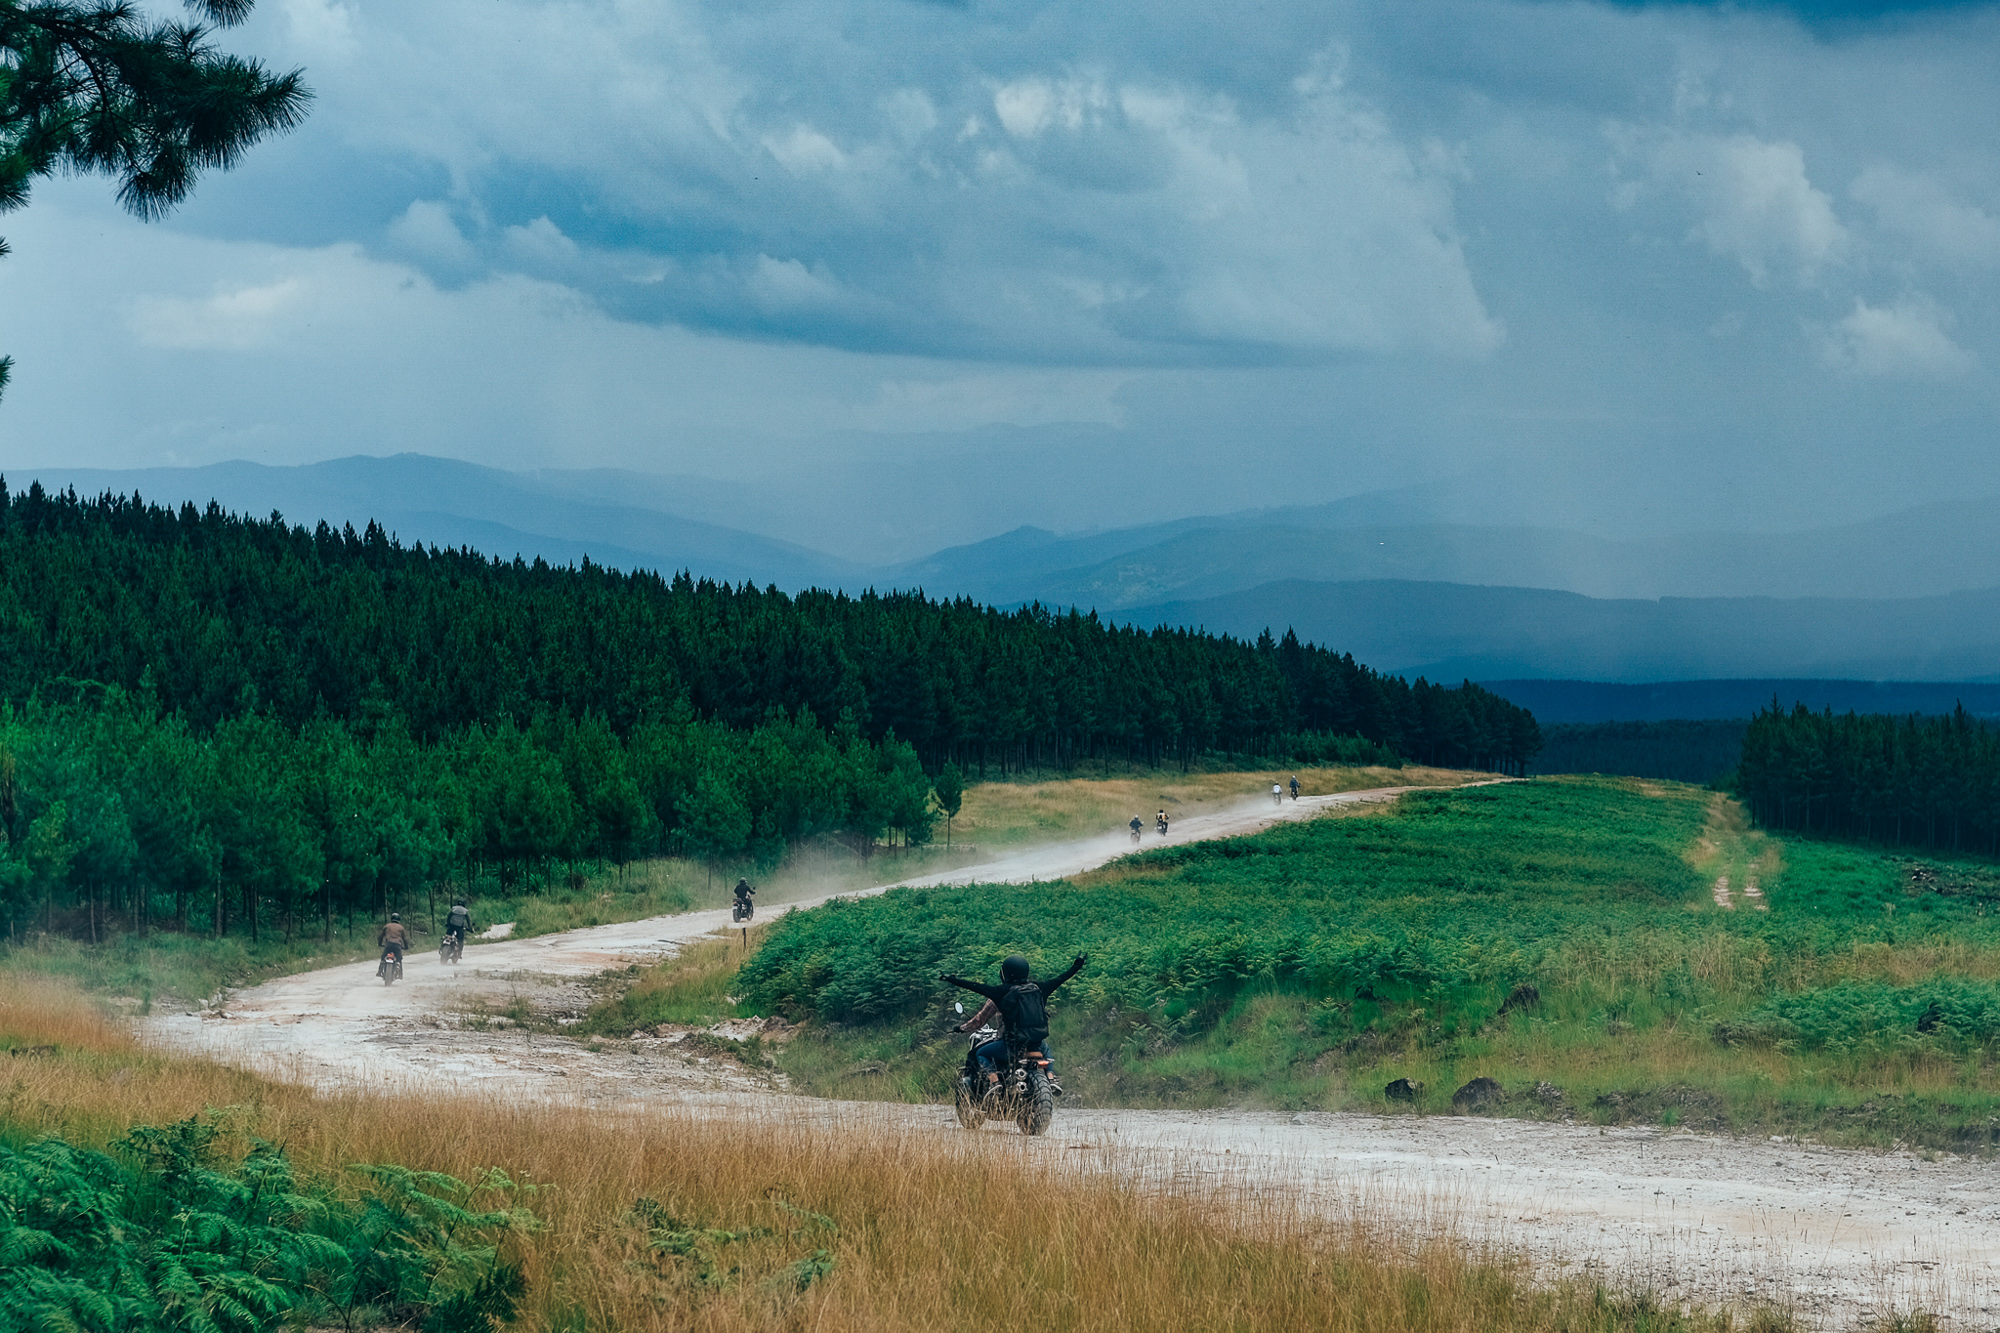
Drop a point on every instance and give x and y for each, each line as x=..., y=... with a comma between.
x=1022, y=1005
x=1160, y=821
x=1295, y=786
x=1136, y=826
x=393, y=938
x=458, y=923
x=743, y=892
x=988, y=1053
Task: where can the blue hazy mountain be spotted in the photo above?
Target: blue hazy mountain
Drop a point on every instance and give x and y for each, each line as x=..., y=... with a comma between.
x=1451, y=631
x=1936, y=549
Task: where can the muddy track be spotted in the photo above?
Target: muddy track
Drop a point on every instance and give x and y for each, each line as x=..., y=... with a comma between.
x=1841, y=1235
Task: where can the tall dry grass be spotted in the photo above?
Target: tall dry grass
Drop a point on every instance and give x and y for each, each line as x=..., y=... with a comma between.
x=1009, y=813
x=925, y=1230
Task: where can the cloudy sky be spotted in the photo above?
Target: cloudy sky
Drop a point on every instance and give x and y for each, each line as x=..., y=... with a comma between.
x=1610, y=266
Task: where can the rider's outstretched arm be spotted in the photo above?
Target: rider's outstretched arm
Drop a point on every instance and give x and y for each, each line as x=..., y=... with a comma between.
x=976, y=987
x=1050, y=987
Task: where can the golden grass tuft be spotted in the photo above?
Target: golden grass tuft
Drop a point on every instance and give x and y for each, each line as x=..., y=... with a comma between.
x=931, y=1229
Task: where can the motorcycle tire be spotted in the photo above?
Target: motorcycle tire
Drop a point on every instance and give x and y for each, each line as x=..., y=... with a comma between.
x=1038, y=1107
x=971, y=1114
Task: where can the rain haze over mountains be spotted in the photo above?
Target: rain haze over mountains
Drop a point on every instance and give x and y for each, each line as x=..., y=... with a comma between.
x=1620, y=342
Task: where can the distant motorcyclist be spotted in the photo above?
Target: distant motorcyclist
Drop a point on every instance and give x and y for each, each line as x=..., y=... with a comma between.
x=1160, y=821
x=1295, y=786
x=393, y=938
x=742, y=907
x=1277, y=794
x=1022, y=1005
x=744, y=892
x=458, y=923
x=1137, y=826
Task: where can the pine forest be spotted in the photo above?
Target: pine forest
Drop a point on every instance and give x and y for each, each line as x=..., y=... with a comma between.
x=215, y=721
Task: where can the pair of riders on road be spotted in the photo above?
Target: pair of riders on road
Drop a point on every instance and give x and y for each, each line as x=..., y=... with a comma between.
x=1159, y=823
x=394, y=936
x=1021, y=1004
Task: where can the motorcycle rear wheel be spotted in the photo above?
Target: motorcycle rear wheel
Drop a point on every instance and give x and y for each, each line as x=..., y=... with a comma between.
x=1038, y=1108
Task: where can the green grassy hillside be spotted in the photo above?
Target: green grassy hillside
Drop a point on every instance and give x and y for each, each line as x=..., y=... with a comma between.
x=1563, y=937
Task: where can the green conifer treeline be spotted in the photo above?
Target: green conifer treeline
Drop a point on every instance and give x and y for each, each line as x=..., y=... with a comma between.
x=203, y=700
x=1931, y=781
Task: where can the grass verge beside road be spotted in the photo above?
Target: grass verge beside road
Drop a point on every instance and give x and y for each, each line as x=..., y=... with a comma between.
x=1009, y=814
x=1561, y=937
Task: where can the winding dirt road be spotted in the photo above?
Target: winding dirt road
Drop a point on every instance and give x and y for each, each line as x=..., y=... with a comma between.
x=1841, y=1235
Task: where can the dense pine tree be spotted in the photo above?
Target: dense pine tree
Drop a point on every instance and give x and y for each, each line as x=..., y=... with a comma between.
x=214, y=616
x=1925, y=781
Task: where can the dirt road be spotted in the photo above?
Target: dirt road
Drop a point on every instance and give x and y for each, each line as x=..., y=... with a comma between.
x=1841, y=1234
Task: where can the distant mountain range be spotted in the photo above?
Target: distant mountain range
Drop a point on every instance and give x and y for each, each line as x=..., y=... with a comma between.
x=1939, y=548
x=1450, y=631
x=1378, y=575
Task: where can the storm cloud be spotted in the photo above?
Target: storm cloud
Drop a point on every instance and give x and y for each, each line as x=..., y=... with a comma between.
x=1655, y=265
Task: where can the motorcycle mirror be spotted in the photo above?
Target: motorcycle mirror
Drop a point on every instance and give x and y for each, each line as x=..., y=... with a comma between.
x=957, y=1008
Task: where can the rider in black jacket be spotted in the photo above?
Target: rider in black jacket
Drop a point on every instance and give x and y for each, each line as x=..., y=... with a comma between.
x=1023, y=1005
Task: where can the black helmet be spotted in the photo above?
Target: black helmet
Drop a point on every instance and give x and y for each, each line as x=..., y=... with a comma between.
x=1015, y=969
x=395, y=916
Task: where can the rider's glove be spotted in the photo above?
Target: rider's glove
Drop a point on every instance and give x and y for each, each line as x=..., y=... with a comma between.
x=1082, y=958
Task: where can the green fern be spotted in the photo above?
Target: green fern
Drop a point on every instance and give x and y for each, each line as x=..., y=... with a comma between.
x=190, y=1239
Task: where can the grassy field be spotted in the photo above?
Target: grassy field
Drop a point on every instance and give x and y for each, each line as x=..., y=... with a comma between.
x=1563, y=937
x=662, y=1221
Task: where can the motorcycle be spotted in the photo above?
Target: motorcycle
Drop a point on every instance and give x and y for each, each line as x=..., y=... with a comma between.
x=742, y=910
x=1161, y=825
x=1135, y=833
x=390, y=969
x=1024, y=1093
x=452, y=948
x=1277, y=796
